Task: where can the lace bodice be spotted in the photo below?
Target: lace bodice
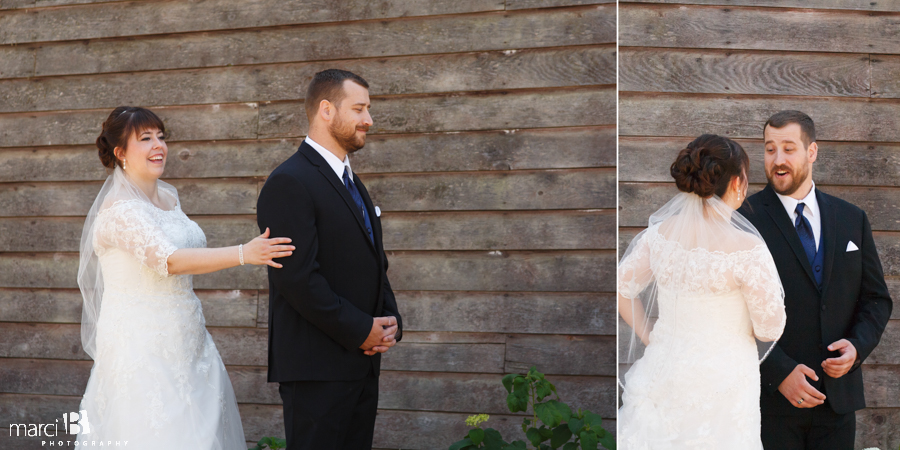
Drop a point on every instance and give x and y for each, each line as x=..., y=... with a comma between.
x=134, y=239
x=701, y=276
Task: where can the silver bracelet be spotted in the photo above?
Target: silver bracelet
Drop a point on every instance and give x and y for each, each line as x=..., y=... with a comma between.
x=241, y=253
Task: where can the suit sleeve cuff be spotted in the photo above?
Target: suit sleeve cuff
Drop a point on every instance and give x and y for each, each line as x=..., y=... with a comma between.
x=859, y=354
x=775, y=370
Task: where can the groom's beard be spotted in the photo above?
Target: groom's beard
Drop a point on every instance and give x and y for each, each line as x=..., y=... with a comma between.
x=788, y=186
x=344, y=134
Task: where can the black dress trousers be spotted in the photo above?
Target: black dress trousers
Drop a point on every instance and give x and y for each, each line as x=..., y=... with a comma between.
x=325, y=415
x=818, y=428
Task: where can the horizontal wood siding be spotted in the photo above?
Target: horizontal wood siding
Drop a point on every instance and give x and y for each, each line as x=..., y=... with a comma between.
x=689, y=67
x=492, y=157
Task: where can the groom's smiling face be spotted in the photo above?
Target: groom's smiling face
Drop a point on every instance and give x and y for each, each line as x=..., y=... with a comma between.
x=352, y=120
x=789, y=160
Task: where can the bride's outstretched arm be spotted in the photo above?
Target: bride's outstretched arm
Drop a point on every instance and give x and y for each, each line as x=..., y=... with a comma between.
x=261, y=250
x=130, y=227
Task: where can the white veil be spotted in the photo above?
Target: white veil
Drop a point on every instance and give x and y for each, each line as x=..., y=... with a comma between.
x=687, y=230
x=118, y=188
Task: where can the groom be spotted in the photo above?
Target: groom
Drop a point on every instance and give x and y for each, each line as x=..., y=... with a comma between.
x=331, y=308
x=836, y=300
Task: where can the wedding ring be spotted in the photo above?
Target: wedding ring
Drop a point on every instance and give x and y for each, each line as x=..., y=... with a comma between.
x=800, y=401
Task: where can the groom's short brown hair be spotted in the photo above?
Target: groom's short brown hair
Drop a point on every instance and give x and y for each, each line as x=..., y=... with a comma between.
x=328, y=85
x=782, y=119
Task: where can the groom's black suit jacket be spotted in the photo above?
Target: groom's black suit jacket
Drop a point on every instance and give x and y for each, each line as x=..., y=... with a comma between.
x=322, y=302
x=853, y=304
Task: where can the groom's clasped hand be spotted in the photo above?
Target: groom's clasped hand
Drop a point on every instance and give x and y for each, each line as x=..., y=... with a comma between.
x=382, y=337
x=839, y=366
x=795, y=386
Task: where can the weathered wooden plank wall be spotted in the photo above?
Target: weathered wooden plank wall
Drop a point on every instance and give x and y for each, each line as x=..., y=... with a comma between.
x=689, y=67
x=492, y=157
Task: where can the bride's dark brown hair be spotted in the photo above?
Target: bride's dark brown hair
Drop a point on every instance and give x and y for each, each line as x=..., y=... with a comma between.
x=119, y=126
x=708, y=164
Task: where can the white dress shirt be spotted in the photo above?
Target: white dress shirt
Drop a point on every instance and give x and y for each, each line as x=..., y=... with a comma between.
x=810, y=211
x=336, y=164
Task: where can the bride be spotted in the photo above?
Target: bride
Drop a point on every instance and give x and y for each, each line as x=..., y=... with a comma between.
x=157, y=380
x=694, y=376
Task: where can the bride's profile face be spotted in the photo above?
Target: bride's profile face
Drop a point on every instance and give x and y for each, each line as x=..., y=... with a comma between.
x=145, y=154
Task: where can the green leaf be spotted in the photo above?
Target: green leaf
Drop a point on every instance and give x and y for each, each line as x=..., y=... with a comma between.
x=459, y=445
x=476, y=435
x=518, y=399
x=561, y=435
x=588, y=440
x=608, y=441
x=515, y=404
x=563, y=409
x=570, y=446
x=516, y=445
x=575, y=425
x=548, y=414
x=508, y=381
x=546, y=433
x=545, y=447
x=542, y=389
x=591, y=419
x=534, y=436
x=493, y=440
x=520, y=388
x=534, y=374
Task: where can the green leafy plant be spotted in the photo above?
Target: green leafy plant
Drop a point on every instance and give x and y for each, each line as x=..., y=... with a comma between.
x=553, y=425
x=272, y=443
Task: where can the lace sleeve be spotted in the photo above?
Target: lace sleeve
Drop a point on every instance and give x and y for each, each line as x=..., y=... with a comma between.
x=129, y=226
x=760, y=284
x=634, y=273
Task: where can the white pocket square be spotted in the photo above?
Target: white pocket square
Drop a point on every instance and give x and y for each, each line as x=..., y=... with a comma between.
x=378, y=214
x=851, y=247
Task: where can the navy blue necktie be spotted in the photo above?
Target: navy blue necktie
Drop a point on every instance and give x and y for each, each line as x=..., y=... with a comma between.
x=351, y=186
x=804, y=230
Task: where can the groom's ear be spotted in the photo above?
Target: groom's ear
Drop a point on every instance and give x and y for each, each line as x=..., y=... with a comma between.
x=326, y=110
x=812, y=152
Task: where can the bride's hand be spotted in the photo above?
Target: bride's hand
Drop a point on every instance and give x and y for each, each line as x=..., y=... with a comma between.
x=263, y=250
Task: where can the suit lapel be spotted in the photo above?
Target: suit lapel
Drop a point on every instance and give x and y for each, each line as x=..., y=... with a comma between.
x=338, y=184
x=829, y=238
x=775, y=209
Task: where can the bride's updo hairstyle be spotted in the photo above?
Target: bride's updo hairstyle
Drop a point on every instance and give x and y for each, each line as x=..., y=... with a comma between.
x=119, y=126
x=708, y=164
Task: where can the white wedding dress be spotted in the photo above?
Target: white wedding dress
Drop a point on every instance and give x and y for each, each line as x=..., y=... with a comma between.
x=158, y=380
x=697, y=385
